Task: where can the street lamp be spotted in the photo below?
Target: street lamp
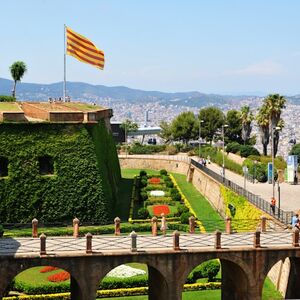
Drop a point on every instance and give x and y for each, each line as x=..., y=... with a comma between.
x=273, y=157
x=223, y=165
x=200, y=121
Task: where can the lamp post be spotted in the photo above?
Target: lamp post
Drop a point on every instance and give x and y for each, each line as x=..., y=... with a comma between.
x=200, y=121
x=223, y=165
x=273, y=158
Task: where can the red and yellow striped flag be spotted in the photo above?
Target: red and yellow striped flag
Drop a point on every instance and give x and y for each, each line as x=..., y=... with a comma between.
x=83, y=49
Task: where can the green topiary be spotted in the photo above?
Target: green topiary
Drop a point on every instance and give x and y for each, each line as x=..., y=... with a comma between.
x=143, y=173
x=163, y=172
x=169, y=184
x=184, y=218
x=182, y=209
x=176, y=197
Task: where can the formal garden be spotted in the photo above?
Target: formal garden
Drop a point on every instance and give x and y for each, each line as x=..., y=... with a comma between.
x=140, y=199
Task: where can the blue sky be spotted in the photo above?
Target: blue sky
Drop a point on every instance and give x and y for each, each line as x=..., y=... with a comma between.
x=213, y=46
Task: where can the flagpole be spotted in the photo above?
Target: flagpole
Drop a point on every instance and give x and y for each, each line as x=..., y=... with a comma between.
x=65, y=85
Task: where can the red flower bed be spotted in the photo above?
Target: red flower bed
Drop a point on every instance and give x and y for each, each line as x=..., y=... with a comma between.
x=159, y=209
x=58, y=277
x=47, y=269
x=154, y=180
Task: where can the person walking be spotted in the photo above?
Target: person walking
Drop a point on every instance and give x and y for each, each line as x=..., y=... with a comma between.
x=273, y=204
x=295, y=220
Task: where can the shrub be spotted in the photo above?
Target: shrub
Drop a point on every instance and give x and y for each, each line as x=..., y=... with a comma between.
x=176, y=197
x=208, y=269
x=143, y=213
x=4, y=98
x=143, y=173
x=184, y=218
x=58, y=277
x=182, y=209
x=143, y=182
x=233, y=147
x=138, y=148
x=144, y=196
x=163, y=172
x=246, y=150
x=261, y=173
x=169, y=184
x=171, y=150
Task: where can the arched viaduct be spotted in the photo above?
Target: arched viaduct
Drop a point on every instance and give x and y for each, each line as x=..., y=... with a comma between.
x=244, y=269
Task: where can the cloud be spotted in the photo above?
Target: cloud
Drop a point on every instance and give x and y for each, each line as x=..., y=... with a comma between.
x=264, y=68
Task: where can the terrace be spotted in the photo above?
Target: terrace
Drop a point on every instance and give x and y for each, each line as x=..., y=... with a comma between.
x=58, y=112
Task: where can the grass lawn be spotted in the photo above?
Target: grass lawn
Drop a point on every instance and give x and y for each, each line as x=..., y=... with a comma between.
x=196, y=295
x=130, y=173
x=7, y=106
x=204, y=211
x=33, y=277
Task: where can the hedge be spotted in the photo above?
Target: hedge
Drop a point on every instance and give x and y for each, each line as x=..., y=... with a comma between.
x=4, y=98
x=86, y=174
x=116, y=292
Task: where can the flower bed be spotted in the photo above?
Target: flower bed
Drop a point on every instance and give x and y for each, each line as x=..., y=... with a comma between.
x=58, y=277
x=124, y=271
x=161, y=209
x=48, y=269
x=154, y=180
x=157, y=193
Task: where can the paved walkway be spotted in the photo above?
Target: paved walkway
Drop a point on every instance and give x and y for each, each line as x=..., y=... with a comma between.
x=289, y=194
x=108, y=244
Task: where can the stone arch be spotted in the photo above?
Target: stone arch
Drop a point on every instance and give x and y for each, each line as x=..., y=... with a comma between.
x=284, y=271
x=10, y=269
x=236, y=274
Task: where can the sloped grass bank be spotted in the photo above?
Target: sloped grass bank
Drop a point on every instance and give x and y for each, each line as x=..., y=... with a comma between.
x=204, y=211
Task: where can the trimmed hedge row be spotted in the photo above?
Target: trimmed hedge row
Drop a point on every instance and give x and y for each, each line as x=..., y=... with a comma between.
x=116, y=292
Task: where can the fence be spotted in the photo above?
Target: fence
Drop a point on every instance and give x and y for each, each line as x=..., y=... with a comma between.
x=281, y=215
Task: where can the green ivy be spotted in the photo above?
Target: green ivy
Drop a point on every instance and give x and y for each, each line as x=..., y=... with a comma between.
x=84, y=182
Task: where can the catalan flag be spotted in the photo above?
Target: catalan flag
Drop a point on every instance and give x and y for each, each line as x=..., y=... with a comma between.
x=83, y=49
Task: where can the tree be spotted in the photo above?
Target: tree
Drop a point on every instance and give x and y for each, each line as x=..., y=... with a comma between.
x=274, y=104
x=233, y=132
x=296, y=151
x=129, y=125
x=17, y=70
x=263, y=122
x=246, y=119
x=213, y=118
x=166, y=131
x=184, y=127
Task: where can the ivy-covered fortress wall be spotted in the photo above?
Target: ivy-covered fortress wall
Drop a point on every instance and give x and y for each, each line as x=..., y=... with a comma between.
x=85, y=178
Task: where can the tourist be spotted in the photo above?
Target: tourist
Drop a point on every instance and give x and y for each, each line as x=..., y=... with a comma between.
x=295, y=220
x=273, y=204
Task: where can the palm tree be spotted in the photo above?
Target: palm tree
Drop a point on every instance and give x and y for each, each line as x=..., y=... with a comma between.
x=263, y=122
x=275, y=103
x=246, y=118
x=17, y=70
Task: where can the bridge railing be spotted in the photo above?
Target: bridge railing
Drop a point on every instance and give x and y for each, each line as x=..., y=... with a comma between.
x=133, y=242
x=280, y=214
